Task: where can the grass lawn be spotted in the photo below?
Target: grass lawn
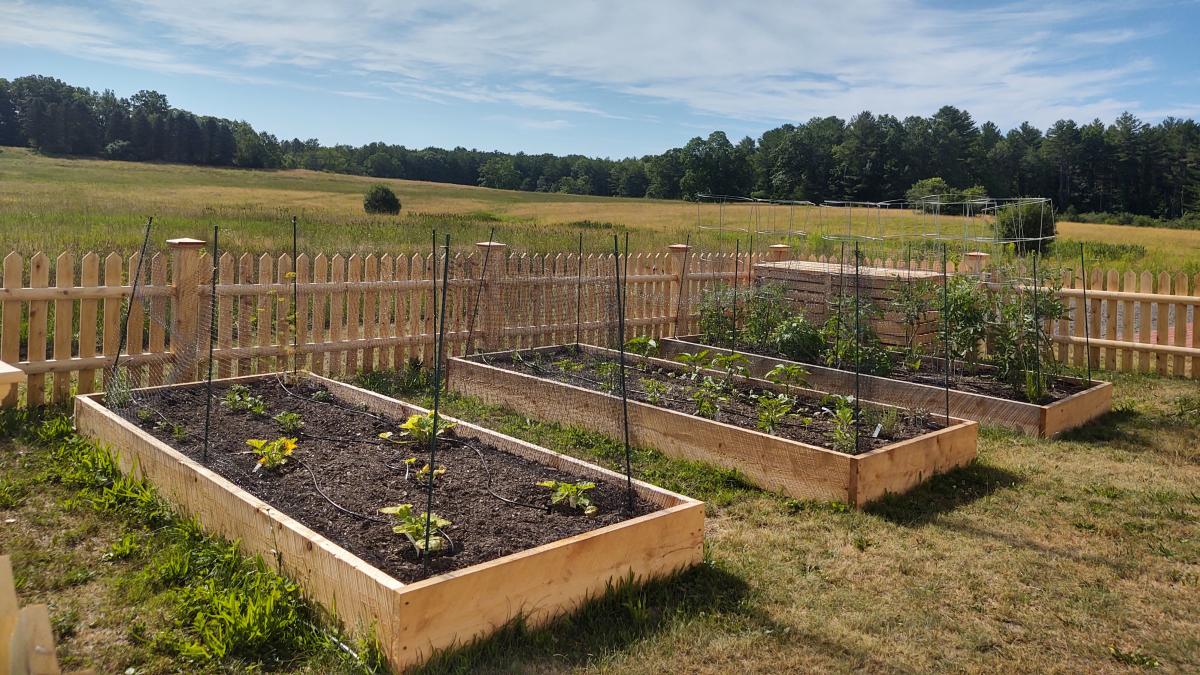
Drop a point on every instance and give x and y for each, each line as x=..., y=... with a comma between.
x=1080, y=554
x=57, y=204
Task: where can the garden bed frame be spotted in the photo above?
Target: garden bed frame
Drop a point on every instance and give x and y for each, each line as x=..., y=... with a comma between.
x=1043, y=421
x=413, y=620
x=797, y=469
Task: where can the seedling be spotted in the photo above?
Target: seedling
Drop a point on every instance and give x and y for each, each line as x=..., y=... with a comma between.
x=732, y=364
x=419, y=429
x=239, y=399
x=425, y=475
x=695, y=362
x=574, y=494
x=145, y=415
x=412, y=526
x=568, y=365
x=789, y=375
x=708, y=396
x=610, y=374
x=654, y=389
x=773, y=410
x=642, y=345
x=844, y=437
x=272, y=454
x=177, y=431
x=323, y=396
x=289, y=422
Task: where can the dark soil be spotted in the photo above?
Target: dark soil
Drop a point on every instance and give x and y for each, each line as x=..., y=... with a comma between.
x=810, y=422
x=982, y=381
x=362, y=473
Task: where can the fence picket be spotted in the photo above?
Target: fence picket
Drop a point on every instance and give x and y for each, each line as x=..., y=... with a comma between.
x=1180, y=322
x=158, y=315
x=263, y=313
x=39, y=277
x=10, y=337
x=225, y=275
x=1162, y=322
x=64, y=317
x=89, y=277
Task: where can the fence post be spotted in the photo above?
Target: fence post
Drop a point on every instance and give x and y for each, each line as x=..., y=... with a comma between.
x=680, y=309
x=976, y=262
x=778, y=252
x=185, y=282
x=491, y=313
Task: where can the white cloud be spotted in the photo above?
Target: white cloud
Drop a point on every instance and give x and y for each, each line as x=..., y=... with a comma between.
x=769, y=61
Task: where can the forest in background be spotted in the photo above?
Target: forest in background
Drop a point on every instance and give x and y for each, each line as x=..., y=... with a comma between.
x=1127, y=172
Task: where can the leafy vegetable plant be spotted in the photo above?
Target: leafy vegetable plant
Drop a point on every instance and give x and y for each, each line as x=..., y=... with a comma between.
x=426, y=475
x=610, y=376
x=773, y=411
x=239, y=399
x=732, y=364
x=574, y=494
x=799, y=339
x=844, y=437
x=708, y=397
x=289, y=422
x=272, y=454
x=642, y=345
x=789, y=375
x=412, y=526
x=654, y=389
x=419, y=429
x=695, y=362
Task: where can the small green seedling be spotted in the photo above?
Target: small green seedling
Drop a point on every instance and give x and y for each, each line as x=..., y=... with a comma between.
x=708, y=397
x=732, y=364
x=272, y=454
x=568, y=365
x=789, y=375
x=145, y=415
x=424, y=474
x=412, y=526
x=239, y=399
x=574, y=494
x=843, y=426
x=289, y=422
x=695, y=362
x=419, y=429
x=610, y=376
x=323, y=396
x=654, y=389
x=643, y=346
x=773, y=410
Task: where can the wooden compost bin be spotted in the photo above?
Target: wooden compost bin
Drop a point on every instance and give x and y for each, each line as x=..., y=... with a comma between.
x=1036, y=420
x=809, y=286
x=793, y=468
x=412, y=620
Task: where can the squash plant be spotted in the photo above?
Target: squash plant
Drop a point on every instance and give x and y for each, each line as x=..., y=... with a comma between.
x=574, y=494
x=419, y=429
x=412, y=526
x=272, y=454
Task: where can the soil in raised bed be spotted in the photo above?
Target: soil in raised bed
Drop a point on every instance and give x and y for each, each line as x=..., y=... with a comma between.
x=982, y=381
x=811, y=422
x=340, y=445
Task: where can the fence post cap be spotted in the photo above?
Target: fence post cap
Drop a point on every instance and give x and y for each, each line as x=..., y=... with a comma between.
x=490, y=244
x=679, y=247
x=186, y=242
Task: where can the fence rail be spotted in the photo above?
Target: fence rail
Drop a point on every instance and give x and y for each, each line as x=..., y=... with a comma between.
x=61, y=319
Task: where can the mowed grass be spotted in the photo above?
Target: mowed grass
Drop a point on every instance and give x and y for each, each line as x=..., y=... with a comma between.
x=1080, y=554
x=60, y=204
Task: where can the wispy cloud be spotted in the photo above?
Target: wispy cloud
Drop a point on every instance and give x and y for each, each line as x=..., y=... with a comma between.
x=768, y=61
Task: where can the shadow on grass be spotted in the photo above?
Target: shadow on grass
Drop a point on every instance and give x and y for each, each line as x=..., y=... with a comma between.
x=627, y=613
x=941, y=494
x=1124, y=424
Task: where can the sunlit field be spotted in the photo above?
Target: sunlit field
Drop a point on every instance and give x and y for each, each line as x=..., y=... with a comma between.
x=57, y=204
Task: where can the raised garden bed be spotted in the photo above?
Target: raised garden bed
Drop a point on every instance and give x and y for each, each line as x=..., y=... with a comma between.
x=790, y=461
x=501, y=561
x=981, y=398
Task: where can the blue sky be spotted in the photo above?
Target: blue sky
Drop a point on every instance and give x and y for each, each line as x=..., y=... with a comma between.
x=613, y=78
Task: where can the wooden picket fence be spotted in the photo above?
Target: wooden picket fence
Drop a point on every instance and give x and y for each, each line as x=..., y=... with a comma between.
x=364, y=313
x=351, y=314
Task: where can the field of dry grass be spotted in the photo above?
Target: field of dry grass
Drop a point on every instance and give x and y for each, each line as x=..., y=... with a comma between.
x=56, y=204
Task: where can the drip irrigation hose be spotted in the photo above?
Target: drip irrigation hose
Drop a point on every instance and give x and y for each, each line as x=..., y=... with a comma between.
x=334, y=504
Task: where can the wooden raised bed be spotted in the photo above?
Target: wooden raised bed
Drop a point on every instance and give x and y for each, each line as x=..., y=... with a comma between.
x=808, y=286
x=1043, y=421
x=413, y=620
x=793, y=468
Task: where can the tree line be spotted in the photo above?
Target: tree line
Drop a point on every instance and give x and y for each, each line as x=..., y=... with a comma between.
x=1126, y=167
